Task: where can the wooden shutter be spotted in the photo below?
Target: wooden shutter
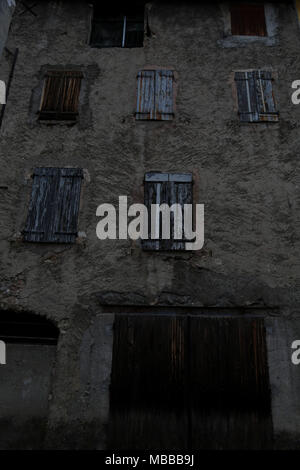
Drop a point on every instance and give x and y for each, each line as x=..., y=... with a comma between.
x=155, y=95
x=54, y=205
x=166, y=188
x=255, y=96
x=186, y=382
x=60, y=97
x=265, y=97
x=248, y=20
x=38, y=224
x=67, y=205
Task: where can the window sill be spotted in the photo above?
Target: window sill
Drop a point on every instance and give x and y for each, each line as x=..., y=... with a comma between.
x=243, y=41
x=18, y=238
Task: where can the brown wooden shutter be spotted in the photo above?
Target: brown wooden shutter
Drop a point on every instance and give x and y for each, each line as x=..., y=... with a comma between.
x=54, y=205
x=166, y=188
x=60, y=97
x=248, y=20
x=255, y=96
x=155, y=95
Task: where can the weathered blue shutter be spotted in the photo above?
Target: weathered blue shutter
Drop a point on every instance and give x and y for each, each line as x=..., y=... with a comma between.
x=155, y=95
x=54, y=205
x=41, y=205
x=265, y=97
x=67, y=205
x=164, y=95
x=247, y=100
x=166, y=188
x=145, y=98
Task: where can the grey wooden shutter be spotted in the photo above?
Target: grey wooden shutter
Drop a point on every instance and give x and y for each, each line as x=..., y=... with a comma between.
x=166, y=188
x=164, y=95
x=145, y=98
x=41, y=204
x=265, y=97
x=180, y=192
x=54, y=205
x=246, y=91
x=155, y=95
x=67, y=205
x=255, y=96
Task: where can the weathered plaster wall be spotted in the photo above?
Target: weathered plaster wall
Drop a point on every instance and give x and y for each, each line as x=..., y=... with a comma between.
x=24, y=395
x=246, y=175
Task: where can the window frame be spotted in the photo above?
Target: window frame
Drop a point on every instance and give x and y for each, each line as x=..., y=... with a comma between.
x=272, y=19
x=123, y=18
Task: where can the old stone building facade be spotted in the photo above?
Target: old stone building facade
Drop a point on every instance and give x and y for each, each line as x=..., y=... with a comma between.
x=76, y=313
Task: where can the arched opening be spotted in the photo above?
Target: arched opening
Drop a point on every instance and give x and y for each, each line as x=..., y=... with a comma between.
x=25, y=379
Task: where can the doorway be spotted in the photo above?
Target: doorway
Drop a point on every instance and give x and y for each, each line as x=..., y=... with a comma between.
x=189, y=382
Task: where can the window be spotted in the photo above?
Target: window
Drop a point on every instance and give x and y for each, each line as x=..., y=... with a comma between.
x=248, y=20
x=54, y=205
x=60, y=97
x=155, y=95
x=122, y=29
x=166, y=188
x=255, y=96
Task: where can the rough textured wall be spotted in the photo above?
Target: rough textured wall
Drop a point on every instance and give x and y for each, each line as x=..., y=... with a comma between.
x=246, y=175
x=24, y=394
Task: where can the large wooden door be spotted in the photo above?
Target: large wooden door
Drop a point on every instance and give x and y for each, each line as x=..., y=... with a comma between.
x=182, y=382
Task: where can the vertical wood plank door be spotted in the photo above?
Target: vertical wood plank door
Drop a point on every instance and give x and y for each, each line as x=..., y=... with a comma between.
x=186, y=382
x=229, y=384
x=147, y=384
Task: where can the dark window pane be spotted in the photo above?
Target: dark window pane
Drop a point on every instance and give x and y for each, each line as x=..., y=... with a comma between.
x=107, y=33
x=107, y=27
x=134, y=34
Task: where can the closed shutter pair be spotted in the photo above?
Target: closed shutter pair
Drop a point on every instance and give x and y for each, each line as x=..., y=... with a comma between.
x=54, y=205
x=255, y=96
x=166, y=188
x=155, y=95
